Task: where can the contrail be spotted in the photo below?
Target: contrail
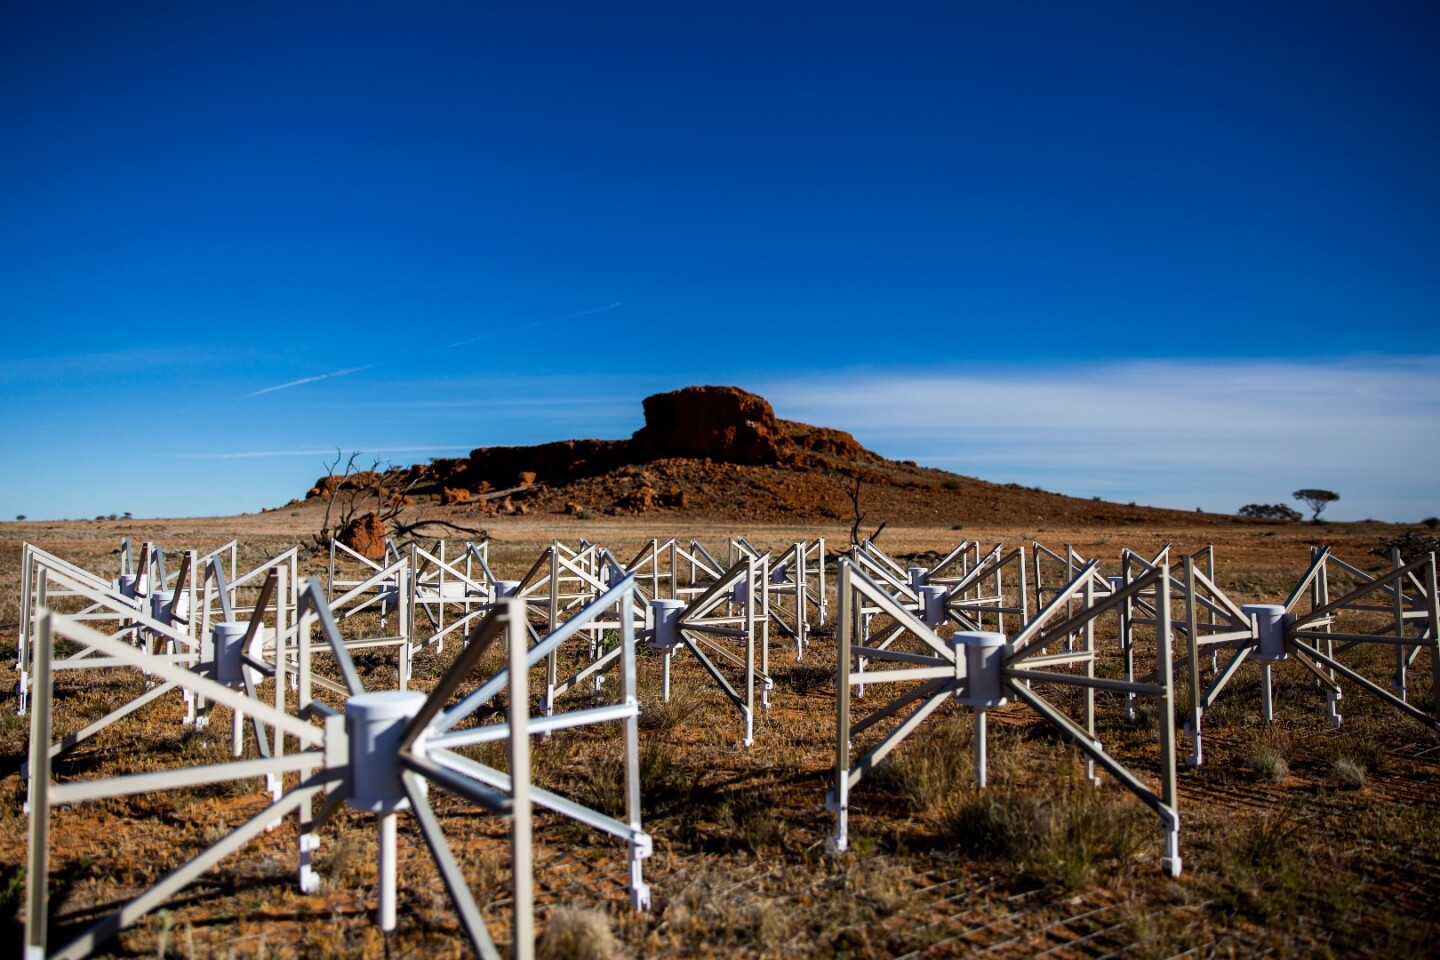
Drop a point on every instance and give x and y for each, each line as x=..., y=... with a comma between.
x=583, y=313
x=458, y=343
x=537, y=323
x=296, y=383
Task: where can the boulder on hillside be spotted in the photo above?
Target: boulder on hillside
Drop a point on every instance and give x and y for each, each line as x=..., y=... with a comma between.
x=366, y=536
x=638, y=501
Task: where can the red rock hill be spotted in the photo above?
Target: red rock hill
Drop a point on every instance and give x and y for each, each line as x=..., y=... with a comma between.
x=721, y=453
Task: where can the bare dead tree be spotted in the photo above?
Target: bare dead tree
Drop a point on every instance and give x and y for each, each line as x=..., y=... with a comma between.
x=408, y=530
x=355, y=493
x=857, y=515
x=321, y=540
x=379, y=490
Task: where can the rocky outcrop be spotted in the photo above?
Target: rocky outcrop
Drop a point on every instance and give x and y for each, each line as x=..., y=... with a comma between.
x=325, y=486
x=834, y=443
x=506, y=467
x=715, y=454
x=717, y=423
x=722, y=424
x=705, y=425
x=361, y=480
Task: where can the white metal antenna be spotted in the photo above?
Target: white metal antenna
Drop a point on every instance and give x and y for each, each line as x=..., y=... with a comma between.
x=615, y=609
x=795, y=589
x=1320, y=632
x=712, y=626
x=656, y=569
x=981, y=669
x=39, y=589
x=374, y=756
x=106, y=607
x=970, y=591
x=47, y=580
x=387, y=588
x=443, y=589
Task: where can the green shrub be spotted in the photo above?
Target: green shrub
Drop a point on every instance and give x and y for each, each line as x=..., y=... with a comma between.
x=1260, y=865
x=1270, y=511
x=936, y=764
x=1060, y=836
x=1412, y=545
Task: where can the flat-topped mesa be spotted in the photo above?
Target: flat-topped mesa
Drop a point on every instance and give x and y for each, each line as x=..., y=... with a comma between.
x=719, y=424
x=730, y=425
x=718, y=453
x=725, y=424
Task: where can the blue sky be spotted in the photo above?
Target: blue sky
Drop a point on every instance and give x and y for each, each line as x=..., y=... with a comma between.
x=1185, y=254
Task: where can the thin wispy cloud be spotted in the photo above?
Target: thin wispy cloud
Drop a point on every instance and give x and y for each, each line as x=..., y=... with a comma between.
x=304, y=380
x=1215, y=434
x=100, y=364
x=538, y=323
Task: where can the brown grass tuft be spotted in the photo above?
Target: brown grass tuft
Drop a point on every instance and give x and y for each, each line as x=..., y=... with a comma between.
x=572, y=933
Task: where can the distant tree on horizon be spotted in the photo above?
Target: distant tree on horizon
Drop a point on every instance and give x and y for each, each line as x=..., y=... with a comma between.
x=1316, y=500
x=1270, y=511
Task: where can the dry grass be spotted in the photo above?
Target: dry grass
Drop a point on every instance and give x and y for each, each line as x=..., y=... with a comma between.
x=1059, y=834
x=1268, y=760
x=572, y=933
x=1336, y=857
x=1348, y=773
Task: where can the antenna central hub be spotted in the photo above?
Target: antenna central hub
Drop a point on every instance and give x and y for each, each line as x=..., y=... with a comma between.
x=932, y=605
x=162, y=606
x=666, y=614
x=375, y=722
x=230, y=652
x=1269, y=630
x=984, y=654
